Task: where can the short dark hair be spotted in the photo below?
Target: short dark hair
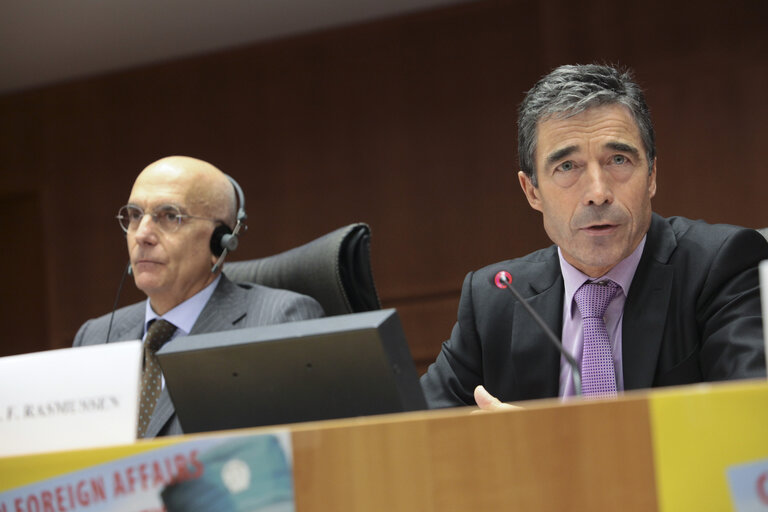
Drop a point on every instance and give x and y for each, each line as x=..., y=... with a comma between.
x=572, y=89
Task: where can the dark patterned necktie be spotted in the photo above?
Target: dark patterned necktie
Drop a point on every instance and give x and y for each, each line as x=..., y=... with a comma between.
x=160, y=331
x=598, y=376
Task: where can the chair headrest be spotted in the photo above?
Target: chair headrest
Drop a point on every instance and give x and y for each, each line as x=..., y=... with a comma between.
x=335, y=269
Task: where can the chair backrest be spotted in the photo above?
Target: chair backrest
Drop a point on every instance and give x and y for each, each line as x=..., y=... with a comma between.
x=334, y=269
x=764, y=232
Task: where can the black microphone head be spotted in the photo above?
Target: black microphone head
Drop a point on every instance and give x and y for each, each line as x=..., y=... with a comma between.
x=502, y=279
x=229, y=242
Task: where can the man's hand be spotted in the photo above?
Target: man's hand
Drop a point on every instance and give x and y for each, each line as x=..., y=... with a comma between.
x=488, y=402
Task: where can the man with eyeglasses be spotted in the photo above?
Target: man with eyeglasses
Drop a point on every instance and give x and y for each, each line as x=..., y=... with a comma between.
x=175, y=206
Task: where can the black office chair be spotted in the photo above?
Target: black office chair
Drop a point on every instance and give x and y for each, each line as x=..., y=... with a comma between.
x=334, y=269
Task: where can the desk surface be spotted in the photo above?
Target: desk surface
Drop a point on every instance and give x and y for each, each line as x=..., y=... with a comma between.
x=665, y=449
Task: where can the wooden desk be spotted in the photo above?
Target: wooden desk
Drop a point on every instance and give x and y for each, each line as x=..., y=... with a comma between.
x=663, y=450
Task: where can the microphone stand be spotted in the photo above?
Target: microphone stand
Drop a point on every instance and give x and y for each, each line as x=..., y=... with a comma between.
x=576, y=374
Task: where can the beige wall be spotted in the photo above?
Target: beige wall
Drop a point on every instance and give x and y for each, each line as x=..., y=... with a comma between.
x=407, y=124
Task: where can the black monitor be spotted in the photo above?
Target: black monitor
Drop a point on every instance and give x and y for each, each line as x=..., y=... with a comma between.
x=334, y=367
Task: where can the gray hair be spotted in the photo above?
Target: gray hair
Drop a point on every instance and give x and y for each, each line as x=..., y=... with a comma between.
x=570, y=90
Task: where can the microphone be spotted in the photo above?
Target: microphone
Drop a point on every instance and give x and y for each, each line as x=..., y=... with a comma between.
x=128, y=271
x=503, y=279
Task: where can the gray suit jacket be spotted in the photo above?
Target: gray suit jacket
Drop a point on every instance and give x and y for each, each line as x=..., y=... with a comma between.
x=692, y=314
x=231, y=306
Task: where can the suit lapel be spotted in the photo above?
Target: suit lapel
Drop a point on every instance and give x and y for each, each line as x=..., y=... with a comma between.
x=130, y=325
x=225, y=308
x=645, y=311
x=537, y=360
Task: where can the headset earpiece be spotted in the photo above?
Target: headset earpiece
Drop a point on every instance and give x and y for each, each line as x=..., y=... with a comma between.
x=217, y=247
x=224, y=239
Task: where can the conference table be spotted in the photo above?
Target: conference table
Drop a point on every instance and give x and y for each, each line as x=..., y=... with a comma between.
x=689, y=448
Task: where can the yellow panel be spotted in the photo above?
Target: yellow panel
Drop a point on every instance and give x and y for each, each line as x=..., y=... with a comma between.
x=28, y=469
x=698, y=433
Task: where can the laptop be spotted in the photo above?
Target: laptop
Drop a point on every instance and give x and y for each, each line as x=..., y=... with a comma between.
x=335, y=367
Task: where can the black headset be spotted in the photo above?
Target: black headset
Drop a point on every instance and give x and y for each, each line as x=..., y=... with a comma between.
x=224, y=239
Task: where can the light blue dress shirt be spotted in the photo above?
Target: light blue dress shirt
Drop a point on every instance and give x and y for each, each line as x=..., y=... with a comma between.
x=185, y=314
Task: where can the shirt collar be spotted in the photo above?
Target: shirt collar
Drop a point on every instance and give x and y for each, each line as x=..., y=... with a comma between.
x=620, y=274
x=185, y=314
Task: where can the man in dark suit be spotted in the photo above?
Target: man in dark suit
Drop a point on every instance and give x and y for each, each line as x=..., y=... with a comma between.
x=178, y=211
x=679, y=299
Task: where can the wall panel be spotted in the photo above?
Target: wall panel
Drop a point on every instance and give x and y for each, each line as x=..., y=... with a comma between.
x=407, y=124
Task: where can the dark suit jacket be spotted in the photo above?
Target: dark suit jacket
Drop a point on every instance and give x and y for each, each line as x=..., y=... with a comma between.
x=231, y=306
x=692, y=314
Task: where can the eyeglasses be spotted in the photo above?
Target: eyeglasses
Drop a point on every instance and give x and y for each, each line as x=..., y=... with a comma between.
x=167, y=217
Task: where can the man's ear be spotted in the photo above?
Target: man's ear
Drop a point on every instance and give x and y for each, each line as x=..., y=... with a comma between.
x=530, y=191
x=652, y=180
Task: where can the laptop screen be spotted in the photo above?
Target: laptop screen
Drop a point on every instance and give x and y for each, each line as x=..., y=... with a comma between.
x=334, y=367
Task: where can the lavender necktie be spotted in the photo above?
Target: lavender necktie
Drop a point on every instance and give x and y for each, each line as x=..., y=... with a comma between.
x=160, y=331
x=598, y=376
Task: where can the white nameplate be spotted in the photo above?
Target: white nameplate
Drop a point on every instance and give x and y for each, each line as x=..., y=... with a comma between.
x=69, y=398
